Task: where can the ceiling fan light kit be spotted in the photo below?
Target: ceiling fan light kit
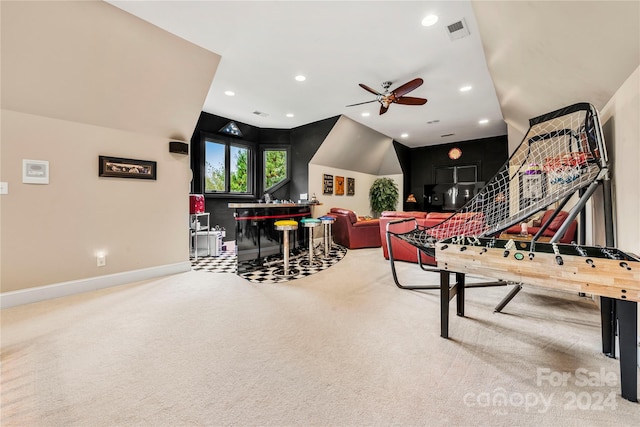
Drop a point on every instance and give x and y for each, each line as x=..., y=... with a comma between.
x=396, y=96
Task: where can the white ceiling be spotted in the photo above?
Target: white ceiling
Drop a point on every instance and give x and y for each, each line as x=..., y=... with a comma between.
x=542, y=55
x=336, y=45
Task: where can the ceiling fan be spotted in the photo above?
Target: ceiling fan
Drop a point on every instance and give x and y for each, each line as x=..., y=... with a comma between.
x=395, y=96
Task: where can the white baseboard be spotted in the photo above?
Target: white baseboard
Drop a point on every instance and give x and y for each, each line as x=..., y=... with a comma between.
x=56, y=290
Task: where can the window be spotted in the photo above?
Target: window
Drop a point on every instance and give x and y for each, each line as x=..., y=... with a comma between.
x=227, y=167
x=275, y=167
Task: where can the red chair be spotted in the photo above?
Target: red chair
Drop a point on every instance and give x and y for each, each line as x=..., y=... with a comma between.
x=354, y=233
x=568, y=237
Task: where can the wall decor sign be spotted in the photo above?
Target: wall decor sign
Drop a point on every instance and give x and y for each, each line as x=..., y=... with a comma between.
x=339, y=185
x=327, y=184
x=35, y=171
x=351, y=186
x=117, y=167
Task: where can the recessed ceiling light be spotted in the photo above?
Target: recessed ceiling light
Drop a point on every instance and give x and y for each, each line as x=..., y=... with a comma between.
x=301, y=78
x=429, y=20
x=465, y=88
x=404, y=135
x=483, y=121
x=366, y=114
x=229, y=93
x=289, y=114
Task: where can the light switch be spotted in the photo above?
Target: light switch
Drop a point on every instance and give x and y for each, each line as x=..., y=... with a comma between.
x=4, y=188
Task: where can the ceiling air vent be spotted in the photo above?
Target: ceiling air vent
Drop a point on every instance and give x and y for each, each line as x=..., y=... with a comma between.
x=260, y=113
x=458, y=30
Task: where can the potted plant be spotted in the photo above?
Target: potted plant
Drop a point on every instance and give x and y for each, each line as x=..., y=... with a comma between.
x=383, y=195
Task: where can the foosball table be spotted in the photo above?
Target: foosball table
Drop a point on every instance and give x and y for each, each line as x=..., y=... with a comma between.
x=605, y=272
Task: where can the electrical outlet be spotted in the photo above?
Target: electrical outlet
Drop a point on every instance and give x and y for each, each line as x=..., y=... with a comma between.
x=101, y=260
x=4, y=188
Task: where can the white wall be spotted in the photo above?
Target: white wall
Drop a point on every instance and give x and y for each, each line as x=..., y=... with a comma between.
x=79, y=80
x=624, y=156
x=358, y=202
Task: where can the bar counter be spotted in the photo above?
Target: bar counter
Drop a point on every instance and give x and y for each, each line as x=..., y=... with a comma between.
x=256, y=236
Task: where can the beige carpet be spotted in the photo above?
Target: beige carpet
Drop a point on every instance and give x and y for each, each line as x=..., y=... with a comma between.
x=344, y=347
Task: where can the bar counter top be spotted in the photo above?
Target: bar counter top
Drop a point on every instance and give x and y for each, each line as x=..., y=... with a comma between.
x=256, y=235
x=270, y=205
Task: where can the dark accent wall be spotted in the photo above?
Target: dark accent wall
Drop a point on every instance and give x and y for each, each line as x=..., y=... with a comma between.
x=217, y=206
x=303, y=142
x=489, y=154
x=404, y=154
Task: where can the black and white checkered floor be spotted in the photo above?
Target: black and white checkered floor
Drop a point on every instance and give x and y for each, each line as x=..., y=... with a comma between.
x=268, y=272
x=226, y=262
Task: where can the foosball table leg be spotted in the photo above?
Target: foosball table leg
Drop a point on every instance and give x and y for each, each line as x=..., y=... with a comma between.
x=608, y=325
x=508, y=298
x=444, y=304
x=627, y=313
x=460, y=294
x=447, y=292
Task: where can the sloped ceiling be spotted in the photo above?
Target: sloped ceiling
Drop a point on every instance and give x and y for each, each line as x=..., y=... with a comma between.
x=101, y=66
x=544, y=55
x=352, y=146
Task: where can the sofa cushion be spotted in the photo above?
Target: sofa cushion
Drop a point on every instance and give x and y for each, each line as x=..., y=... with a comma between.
x=402, y=214
x=557, y=221
x=439, y=215
x=349, y=213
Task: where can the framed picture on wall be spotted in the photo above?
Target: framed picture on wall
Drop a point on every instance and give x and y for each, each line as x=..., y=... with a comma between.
x=351, y=186
x=339, y=185
x=118, y=167
x=327, y=184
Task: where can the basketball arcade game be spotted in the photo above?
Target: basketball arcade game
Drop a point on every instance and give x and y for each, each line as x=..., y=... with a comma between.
x=563, y=153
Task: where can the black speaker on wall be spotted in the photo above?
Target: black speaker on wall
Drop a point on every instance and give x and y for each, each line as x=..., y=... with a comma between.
x=178, y=147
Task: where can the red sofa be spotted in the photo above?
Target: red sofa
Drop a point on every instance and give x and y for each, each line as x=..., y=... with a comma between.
x=354, y=233
x=568, y=237
x=403, y=251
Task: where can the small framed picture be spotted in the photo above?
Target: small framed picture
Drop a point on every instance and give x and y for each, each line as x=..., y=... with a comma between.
x=327, y=184
x=35, y=171
x=351, y=186
x=117, y=167
x=339, y=185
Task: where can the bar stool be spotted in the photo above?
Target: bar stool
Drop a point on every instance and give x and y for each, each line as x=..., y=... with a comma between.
x=310, y=223
x=285, y=226
x=327, y=221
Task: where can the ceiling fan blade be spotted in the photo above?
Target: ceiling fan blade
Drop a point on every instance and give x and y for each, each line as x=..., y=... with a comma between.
x=410, y=100
x=407, y=87
x=368, y=89
x=360, y=103
x=383, y=109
